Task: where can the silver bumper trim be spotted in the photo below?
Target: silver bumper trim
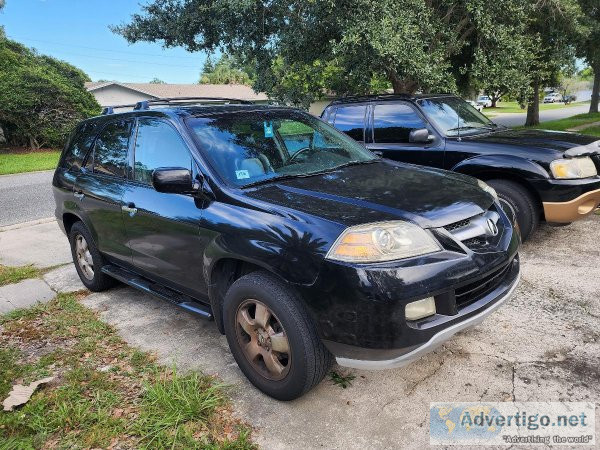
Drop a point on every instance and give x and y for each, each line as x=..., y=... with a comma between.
x=435, y=341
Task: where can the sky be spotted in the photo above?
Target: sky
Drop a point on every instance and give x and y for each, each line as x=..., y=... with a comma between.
x=77, y=31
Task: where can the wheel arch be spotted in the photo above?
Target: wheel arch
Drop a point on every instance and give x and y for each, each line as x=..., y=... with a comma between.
x=222, y=274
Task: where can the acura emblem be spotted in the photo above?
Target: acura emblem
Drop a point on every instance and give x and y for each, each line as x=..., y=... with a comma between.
x=492, y=227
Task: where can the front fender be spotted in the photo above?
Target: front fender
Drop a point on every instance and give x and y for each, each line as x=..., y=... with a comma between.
x=508, y=164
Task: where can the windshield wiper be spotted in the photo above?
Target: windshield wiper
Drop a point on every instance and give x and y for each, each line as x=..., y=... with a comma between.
x=304, y=175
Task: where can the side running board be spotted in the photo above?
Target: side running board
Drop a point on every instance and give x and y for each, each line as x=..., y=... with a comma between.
x=138, y=282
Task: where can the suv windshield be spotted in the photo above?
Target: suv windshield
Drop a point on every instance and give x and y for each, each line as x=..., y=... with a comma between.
x=454, y=116
x=251, y=147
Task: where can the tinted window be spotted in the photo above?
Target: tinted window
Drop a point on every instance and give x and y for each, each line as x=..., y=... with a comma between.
x=79, y=145
x=351, y=120
x=110, y=151
x=158, y=145
x=393, y=123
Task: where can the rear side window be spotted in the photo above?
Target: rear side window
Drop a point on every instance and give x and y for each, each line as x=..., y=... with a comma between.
x=351, y=120
x=158, y=145
x=110, y=151
x=79, y=144
x=393, y=123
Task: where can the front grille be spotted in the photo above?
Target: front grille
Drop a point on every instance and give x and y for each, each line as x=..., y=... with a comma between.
x=456, y=225
x=469, y=293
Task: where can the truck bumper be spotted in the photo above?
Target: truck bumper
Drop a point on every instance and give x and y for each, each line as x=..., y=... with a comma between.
x=569, y=211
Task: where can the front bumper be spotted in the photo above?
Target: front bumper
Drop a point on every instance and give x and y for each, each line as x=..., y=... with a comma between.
x=569, y=211
x=437, y=339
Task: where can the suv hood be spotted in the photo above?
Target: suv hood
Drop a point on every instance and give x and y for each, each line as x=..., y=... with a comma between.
x=382, y=190
x=545, y=144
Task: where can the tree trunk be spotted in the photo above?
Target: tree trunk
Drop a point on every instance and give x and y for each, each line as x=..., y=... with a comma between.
x=533, y=107
x=595, y=90
x=402, y=86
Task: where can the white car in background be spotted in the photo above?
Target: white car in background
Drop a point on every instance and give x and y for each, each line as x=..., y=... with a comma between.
x=555, y=97
x=477, y=106
x=484, y=100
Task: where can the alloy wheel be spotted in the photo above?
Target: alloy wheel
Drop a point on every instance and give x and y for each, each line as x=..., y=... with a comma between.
x=263, y=340
x=84, y=257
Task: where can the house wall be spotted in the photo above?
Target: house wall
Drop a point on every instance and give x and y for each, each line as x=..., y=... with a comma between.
x=118, y=95
x=317, y=107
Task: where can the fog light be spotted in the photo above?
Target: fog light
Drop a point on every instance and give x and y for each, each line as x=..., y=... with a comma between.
x=419, y=309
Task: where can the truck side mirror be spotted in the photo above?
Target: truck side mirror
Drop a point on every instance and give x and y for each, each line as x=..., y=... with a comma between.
x=420, y=135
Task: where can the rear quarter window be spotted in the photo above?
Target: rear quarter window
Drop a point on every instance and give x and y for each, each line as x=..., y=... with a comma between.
x=78, y=146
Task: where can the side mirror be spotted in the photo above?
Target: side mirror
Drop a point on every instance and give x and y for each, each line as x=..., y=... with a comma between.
x=419, y=135
x=172, y=180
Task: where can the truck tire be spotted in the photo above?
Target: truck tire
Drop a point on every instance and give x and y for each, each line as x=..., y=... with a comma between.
x=521, y=201
x=272, y=338
x=88, y=260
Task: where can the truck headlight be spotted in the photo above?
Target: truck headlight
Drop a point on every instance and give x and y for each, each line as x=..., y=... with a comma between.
x=582, y=167
x=382, y=241
x=487, y=188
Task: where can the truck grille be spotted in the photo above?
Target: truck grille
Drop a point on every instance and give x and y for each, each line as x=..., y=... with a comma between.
x=469, y=293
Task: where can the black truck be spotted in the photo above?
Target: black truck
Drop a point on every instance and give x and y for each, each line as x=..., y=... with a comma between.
x=300, y=243
x=538, y=174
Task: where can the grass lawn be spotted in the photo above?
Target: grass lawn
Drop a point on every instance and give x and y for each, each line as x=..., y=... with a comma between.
x=17, y=162
x=9, y=275
x=513, y=107
x=105, y=393
x=574, y=121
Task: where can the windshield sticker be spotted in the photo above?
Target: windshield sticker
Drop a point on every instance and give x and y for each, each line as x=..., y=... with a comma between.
x=268, y=128
x=241, y=174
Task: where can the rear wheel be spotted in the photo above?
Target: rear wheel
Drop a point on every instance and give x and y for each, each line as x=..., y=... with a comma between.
x=272, y=337
x=88, y=260
x=516, y=198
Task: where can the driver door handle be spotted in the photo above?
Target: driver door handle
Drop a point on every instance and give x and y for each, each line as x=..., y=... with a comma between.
x=79, y=195
x=130, y=209
x=378, y=152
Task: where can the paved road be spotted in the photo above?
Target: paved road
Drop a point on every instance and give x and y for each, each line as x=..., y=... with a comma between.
x=518, y=119
x=25, y=197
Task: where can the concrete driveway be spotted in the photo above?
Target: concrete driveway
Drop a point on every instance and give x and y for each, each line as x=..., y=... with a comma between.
x=541, y=346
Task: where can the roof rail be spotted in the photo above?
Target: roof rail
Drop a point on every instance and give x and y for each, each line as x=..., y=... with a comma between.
x=145, y=104
x=358, y=98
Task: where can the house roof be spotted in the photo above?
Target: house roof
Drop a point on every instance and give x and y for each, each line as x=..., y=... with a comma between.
x=185, y=90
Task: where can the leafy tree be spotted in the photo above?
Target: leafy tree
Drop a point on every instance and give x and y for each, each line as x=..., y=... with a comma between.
x=227, y=70
x=589, y=46
x=156, y=81
x=300, y=50
x=41, y=98
x=553, y=28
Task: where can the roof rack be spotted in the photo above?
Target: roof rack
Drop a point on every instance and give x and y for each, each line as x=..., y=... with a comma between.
x=145, y=104
x=359, y=98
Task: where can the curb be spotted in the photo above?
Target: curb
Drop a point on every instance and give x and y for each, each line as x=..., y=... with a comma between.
x=31, y=223
x=26, y=173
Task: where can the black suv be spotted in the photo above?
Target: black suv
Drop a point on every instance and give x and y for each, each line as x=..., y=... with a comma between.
x=298, y=241
x=540, y=175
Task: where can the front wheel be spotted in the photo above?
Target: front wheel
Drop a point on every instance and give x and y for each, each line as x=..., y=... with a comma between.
x=517, y=199
x=272, y=338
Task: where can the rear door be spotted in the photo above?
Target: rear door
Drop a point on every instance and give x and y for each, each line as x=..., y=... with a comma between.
x=100, y=185
x=388, y=135
x=163, y=228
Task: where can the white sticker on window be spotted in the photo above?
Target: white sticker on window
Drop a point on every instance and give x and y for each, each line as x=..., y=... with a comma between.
x=241, y=174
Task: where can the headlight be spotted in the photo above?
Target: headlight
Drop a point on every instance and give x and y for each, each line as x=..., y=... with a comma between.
x=382, y=241
x=487, y=188
x=582, y=167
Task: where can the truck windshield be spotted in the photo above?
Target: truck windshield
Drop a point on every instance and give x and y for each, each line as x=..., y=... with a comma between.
x=454, y=116
x=252, y=147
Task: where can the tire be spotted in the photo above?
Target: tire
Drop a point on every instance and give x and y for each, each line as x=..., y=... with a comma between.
x=93, y=278
x=306, y=361
x=521, y=201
